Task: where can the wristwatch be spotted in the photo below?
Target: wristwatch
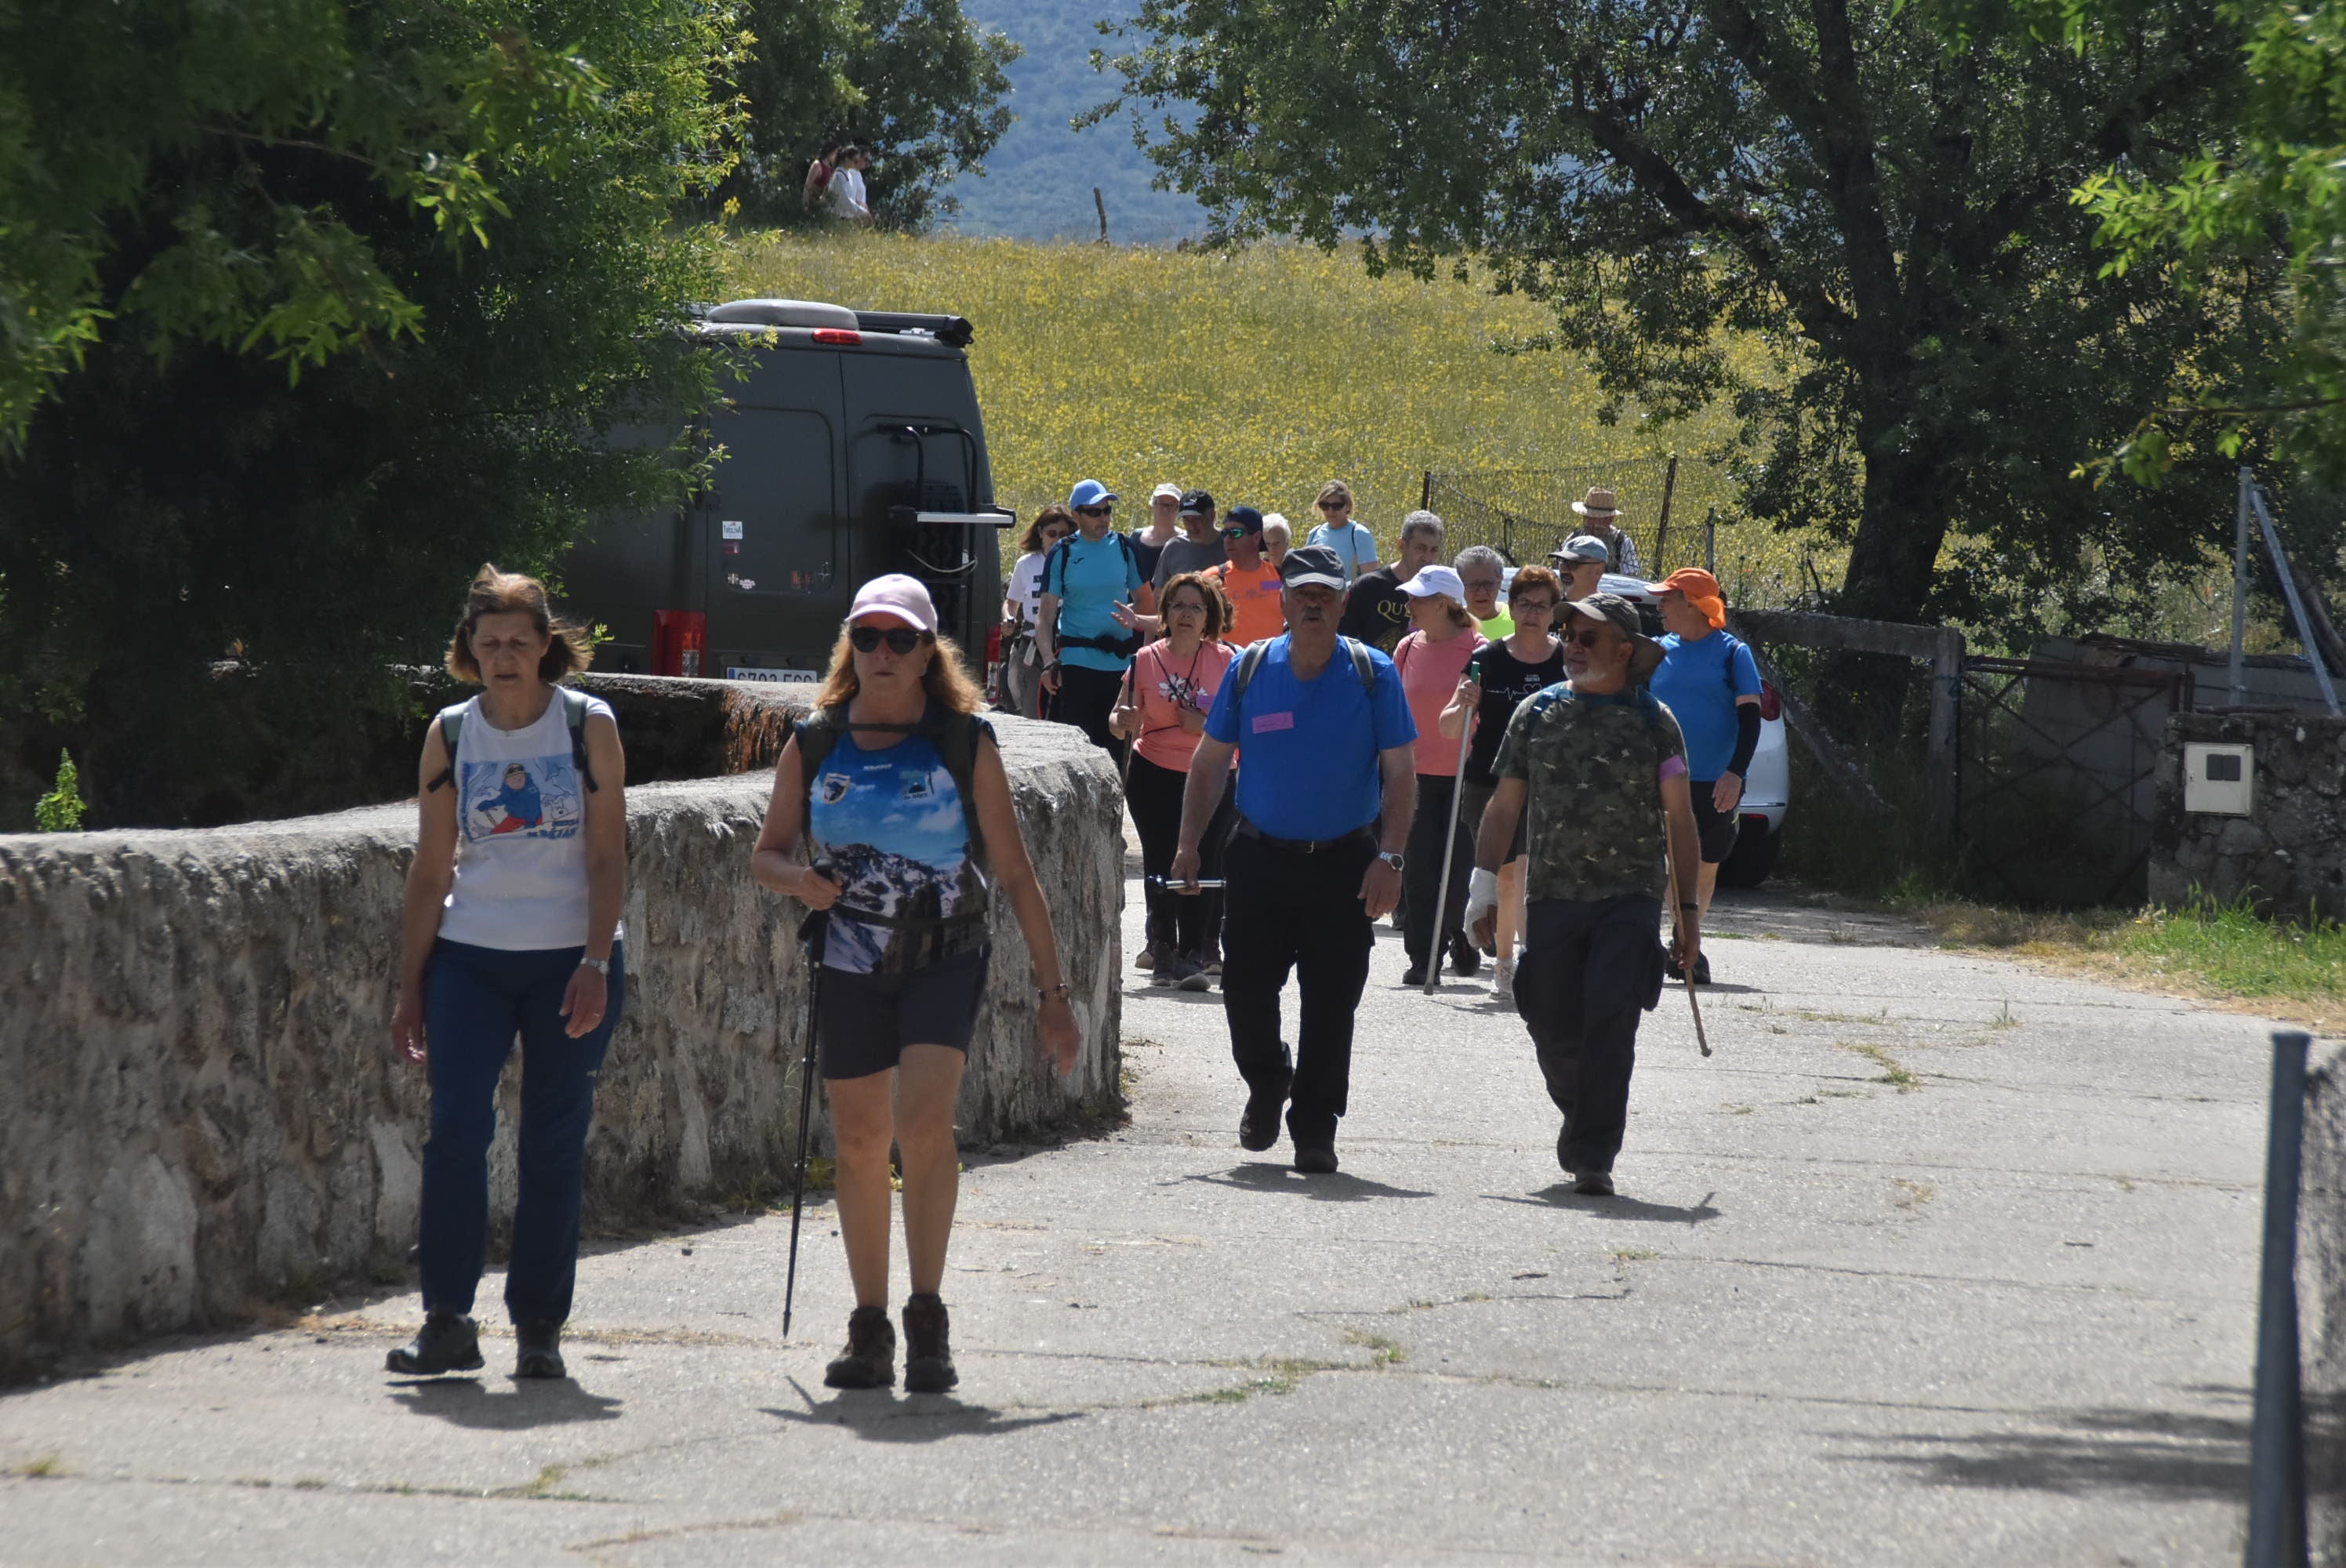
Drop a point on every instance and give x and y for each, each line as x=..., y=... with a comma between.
x=599, y=965
x=1391, y=858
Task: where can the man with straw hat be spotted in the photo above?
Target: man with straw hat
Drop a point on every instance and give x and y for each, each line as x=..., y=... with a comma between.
x=1599, y=510
x=1600, y=766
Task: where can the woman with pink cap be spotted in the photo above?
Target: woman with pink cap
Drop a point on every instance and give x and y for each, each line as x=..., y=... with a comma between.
x=892, y=811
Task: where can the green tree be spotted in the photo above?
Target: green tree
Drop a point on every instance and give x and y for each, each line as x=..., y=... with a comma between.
x=915, y=82
x=343, y=308
x=1890, y=217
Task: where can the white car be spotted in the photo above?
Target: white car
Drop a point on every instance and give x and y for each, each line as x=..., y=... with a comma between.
x=1767, y=788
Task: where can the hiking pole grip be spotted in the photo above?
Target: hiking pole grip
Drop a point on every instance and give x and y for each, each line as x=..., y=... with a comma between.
x=811, y=932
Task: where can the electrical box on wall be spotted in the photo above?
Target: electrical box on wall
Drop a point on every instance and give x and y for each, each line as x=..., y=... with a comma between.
x=2219, y=780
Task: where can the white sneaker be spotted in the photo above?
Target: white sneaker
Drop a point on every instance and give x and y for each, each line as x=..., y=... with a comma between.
x=1502, y=980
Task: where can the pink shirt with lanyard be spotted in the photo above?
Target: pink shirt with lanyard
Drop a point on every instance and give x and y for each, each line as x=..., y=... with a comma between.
x=1164, y=684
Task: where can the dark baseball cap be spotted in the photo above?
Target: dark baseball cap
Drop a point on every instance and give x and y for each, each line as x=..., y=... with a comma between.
x=1622, y=614
x=1197, y=504
x=1245, y=517
x=1308, y=564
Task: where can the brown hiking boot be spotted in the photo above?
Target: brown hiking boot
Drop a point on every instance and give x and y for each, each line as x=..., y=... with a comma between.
x=869, y=1359
x=928, y=1347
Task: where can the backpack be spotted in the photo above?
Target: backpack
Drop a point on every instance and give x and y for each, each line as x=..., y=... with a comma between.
x=574, y=714
x=955, y=735
x=1123, y=647
x=1251, y=661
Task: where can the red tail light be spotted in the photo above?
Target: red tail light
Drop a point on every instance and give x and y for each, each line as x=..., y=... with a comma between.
x=839, y=336
x=1768, y=704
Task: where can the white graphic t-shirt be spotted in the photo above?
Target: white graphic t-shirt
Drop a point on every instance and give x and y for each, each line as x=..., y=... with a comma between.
x=521, y=839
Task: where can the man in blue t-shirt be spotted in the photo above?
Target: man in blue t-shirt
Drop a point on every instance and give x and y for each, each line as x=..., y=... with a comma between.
x=1710, y=683
x=1087, y=577
x=1324, y=797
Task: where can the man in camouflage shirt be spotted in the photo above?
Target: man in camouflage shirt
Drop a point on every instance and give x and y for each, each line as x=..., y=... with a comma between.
x=1601, y=766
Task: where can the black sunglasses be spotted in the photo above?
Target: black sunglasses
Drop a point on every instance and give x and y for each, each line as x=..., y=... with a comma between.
x=1332, y=505
x=900, y=639
x=1592, y=638
x=1094, y=511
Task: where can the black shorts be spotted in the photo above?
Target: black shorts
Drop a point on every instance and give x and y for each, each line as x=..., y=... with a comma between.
x=1713, y=829
x=1477, y=799
x=865, y=1021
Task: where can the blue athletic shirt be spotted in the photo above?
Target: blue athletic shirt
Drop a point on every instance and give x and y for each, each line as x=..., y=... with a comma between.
x=1089, y=576
x=891, y=819
x=1308, y=749
x=1699, y=682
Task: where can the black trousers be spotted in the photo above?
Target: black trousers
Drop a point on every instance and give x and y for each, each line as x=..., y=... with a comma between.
x=1421, y=875
x=1186, y=922
x=1084, y=699
x=1587, y=970
x=1291, y=910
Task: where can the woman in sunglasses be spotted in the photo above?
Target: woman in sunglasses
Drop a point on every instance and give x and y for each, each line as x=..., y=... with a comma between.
x=907, y=829
x=1022, y=608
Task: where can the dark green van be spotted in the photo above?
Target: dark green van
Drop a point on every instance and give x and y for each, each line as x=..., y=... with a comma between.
x=853, y=448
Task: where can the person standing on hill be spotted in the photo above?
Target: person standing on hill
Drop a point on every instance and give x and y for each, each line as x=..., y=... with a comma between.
x=817, y=177
x=1323, y=809
x=1483, y=571
x=1376, y=611
x=1499, y=678
x=1173, y=684
x=1432, y=660
x=1164, y=526
x=1088, y=579
x=1600, y=509
x=1710, y=683
x=1247, y=580
x=847, y=197
x=1599, y=765
x=1354, y=545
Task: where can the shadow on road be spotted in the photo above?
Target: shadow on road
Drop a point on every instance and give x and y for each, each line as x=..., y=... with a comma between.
x=1561, y=1195
x=463, y=1403
x=1262, y=1177
x=879, y=1415
x=2168, y=1454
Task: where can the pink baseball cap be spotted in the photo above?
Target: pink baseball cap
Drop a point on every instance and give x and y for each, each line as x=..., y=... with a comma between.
x=906, y=598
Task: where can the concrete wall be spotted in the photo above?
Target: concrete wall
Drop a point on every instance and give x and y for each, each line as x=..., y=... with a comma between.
x=2321, y=1301
x=204, y=1110
x=2291, y=849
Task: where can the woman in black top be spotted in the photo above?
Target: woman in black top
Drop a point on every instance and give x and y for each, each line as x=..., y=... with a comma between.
x=1498, y=678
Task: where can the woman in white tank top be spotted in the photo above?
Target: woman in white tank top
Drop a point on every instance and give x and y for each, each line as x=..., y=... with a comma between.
x=511, y=929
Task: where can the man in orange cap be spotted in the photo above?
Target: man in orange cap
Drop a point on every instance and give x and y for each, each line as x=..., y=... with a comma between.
x=1710, y=683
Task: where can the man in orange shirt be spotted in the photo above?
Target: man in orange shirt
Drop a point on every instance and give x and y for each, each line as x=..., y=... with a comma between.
x=1248, y=581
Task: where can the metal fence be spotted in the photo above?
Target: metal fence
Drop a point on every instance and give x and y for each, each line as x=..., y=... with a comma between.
x=1667, y=504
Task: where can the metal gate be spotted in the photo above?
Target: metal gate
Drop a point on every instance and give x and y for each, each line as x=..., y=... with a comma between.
x=2057, y=785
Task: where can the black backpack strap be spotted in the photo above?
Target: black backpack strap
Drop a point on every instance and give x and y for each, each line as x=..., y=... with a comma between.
x=451, y=725
x=574, y=713
x=1249, y=662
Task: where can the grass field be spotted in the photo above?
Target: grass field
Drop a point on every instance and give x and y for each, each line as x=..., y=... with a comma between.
x=1257, y=375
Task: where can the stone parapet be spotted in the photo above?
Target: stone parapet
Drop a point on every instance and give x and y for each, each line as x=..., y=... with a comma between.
x=2290, y=850
x=206, y=1113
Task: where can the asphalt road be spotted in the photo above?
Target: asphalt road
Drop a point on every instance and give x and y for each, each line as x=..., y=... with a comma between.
x=1937, y=1261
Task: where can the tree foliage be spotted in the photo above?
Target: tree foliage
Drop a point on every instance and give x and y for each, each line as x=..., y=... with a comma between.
x=915, y=82
x=1893, y=218
x=307, y=307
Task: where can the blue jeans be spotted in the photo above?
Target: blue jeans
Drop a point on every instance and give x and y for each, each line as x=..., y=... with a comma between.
x=475, y=1000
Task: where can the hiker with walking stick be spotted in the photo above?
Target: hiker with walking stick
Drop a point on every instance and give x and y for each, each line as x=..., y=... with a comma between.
x=1430, y=661
x=897, y=782
x=1600, y=768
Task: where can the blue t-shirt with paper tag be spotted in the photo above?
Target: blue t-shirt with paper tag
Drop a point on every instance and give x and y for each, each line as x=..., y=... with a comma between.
x=1090, y=578
x=1308, y=749
x=1700, y=683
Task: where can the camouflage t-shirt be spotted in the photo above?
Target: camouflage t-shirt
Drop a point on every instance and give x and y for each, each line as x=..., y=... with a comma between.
x=1592, y=768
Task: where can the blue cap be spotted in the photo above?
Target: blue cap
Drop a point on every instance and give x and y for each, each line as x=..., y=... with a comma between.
x=1089, y=492
x=1245, y=517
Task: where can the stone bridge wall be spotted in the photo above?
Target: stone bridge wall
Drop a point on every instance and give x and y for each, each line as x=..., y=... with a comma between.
x=204, y=1111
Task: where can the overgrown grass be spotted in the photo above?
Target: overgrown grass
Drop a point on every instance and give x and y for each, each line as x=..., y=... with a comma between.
x=1256, y=375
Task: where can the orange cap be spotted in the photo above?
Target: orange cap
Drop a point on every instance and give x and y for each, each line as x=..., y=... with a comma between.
x=1701, y=590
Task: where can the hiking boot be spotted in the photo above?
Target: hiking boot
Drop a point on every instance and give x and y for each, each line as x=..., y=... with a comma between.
x=1413, y=975
x=1502, y=980
x=1147, y=956
x=1168, y=971
x=1211, y=961
x=1258, y=1125
x=869, y=1359
x=540, y=1352
x=1465, y=958
x=1320, y=1159
x=928, y=1350
x=1702, y=969
x=1188, y=974
x=448, y=1342
x=1593, y=1184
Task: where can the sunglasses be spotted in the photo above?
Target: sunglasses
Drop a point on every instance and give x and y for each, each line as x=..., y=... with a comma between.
x=1334, y=505
x=1094, y=511
x=1592, y=639
x=900, y=639
x=1238, y=532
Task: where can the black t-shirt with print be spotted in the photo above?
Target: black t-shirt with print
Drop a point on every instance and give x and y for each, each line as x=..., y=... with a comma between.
x=1506, y=681
x=1376, y=610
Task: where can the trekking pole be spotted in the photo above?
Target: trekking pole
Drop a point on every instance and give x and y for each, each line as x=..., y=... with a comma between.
x=1677, y=924
x=1203, y=884
x=811, y=932
x=1129, y=671
x=1449, y=850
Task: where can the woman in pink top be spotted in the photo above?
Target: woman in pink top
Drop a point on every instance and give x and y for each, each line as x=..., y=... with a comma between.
x=1432, y=660
x=1163, y=709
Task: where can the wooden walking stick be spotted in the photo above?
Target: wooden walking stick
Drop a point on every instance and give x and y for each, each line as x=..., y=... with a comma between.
x=1677, y=924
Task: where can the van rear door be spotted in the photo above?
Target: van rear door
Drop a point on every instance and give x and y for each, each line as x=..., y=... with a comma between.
x=775, y=521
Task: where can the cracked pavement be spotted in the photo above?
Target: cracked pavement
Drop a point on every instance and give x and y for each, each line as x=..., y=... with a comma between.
x=1938, y=1261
